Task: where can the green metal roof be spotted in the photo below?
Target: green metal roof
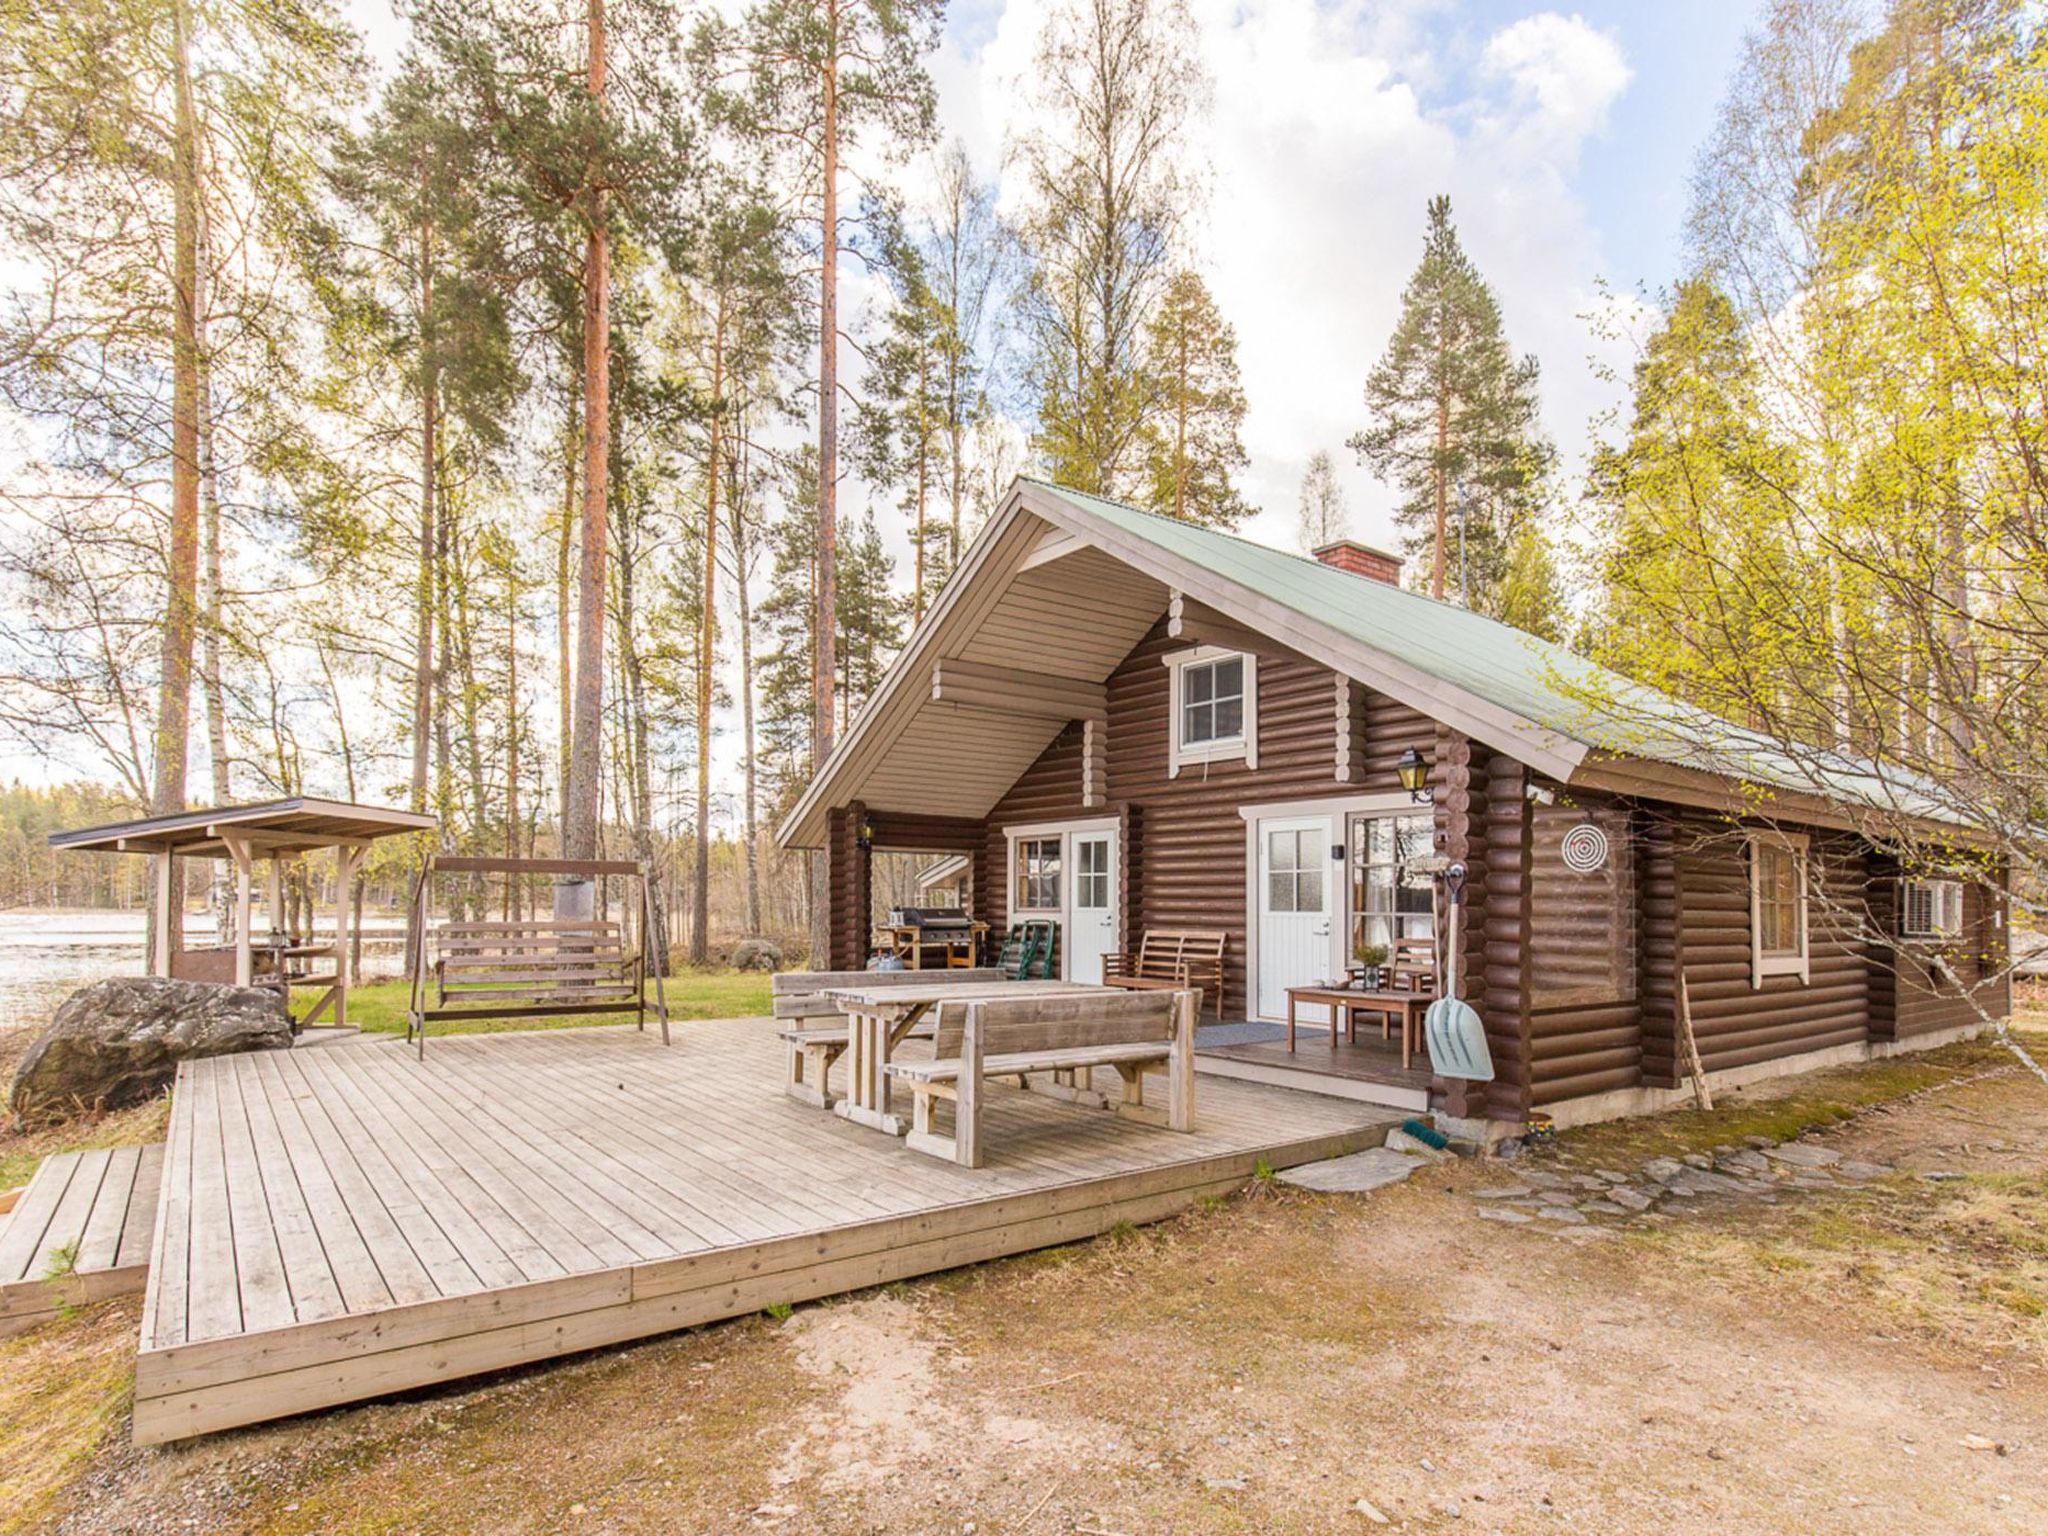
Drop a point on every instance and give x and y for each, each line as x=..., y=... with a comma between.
x=1534, y=679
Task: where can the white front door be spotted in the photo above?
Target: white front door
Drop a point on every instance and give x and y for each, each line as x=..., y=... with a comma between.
x=1295, y=904
x=1091, y=913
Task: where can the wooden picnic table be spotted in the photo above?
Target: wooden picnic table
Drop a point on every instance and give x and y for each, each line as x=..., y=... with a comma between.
x=878, y=1019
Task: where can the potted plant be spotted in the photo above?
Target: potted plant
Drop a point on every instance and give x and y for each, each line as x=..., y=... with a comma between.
x=1367, y=960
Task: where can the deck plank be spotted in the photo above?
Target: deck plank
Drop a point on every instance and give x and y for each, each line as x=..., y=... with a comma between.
x=521, y=1196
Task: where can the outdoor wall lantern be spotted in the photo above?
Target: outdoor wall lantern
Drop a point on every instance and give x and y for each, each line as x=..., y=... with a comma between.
x=1412, y=768
x=864, y=834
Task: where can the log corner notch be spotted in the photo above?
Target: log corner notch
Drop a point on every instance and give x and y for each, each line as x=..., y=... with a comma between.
x=847, y=889
x=1006, y=690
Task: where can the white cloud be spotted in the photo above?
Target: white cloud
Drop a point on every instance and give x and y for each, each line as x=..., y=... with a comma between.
x=1333, y=124
x=1560, y=76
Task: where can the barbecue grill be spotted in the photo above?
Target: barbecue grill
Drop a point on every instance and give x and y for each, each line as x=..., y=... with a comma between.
x=931, y=937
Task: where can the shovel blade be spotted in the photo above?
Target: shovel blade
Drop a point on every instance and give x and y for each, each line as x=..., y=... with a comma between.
x=1457, y=1041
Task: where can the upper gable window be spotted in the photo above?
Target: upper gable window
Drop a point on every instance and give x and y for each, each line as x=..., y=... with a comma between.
x=1777, y=907
x=1215, y=707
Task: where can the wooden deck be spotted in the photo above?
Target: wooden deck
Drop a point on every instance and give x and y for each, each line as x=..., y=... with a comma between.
x=341, y=1223
x=80, y=1232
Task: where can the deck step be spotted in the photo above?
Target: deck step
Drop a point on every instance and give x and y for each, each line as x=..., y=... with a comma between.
x=80, y=1232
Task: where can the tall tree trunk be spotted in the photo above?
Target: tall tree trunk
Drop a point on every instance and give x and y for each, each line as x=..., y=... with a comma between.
x=226, y=918
x=350, y=965
x=707, y=638
x=174, y=670
x=752, y=804
x=429, y=543
x=512, y=903
x=924, y=449
x=586, y=758
x=1442, y=488
x=825, y=660
x=564, y=564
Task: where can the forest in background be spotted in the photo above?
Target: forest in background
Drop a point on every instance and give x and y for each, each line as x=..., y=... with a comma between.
x=512, y=434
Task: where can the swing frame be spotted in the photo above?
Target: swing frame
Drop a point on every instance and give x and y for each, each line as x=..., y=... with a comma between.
x=546, y=941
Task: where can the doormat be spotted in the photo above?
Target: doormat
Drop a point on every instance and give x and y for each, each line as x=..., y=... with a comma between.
x=1210, y=1035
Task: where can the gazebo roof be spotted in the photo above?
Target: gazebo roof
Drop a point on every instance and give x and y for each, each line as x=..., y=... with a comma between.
x=289, y=826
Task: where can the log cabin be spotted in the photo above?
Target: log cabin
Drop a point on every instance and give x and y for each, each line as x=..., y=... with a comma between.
x=1127, y=724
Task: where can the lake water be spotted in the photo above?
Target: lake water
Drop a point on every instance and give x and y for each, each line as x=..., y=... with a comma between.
x=46, y=956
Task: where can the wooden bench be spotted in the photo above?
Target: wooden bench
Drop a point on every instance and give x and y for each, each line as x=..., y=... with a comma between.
x=1171, y=960
x=1021, y=1037
x=820, y=1037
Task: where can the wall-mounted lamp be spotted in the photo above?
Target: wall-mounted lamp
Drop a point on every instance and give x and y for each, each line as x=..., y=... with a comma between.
x=1412, y=768
x=864, y=834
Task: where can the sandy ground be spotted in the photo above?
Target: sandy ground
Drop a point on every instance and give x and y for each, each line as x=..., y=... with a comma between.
x=1853, y=1360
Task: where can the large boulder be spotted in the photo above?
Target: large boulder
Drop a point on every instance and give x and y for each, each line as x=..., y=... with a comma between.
x=119, y=1041
x=757, y=955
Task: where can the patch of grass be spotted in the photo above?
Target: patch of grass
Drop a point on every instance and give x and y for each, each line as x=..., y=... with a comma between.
x=63, y=1388
x=63, y=1260
x=779, y=1310
x=21, y=1151
x=1781, y=1109
x=379, y=1007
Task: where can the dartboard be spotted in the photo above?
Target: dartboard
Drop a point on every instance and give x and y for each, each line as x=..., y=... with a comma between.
x=1585, y=849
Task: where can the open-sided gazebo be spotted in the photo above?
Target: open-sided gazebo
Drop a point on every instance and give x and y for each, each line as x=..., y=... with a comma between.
x=274, y=830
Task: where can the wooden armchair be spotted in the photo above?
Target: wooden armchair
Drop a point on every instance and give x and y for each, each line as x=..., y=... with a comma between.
x=1172, y=960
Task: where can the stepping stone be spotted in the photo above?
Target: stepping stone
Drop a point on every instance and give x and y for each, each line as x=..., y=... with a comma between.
x=1745, y=1161
x=1563, y=1213
x=1611, y=1176
x=1803, y=1155
x=1588, y=1182
x=1544, y=1179
x=1633, y=1199
x=1604, y=1208
x=1504, y=1192
x=1503, y=1214
x=1697, y=1182
x=1557, y=1197
x=1853, y=1169
x=1697, y=1160
x=1663, y=1169
x=1371, y=1169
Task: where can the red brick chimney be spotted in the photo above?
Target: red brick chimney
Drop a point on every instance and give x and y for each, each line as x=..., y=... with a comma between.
x=1362, y=560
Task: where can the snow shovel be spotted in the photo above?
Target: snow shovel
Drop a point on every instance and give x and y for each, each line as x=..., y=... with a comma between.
x=1456, y=1038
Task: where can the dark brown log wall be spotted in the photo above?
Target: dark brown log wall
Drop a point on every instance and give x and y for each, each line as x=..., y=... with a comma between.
x=1736, y=1023
x=1189, y=866
x=1909, y=994
x=1585, y=1016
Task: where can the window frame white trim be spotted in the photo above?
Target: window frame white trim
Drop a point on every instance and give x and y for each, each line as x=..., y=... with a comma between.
x=1338, y=808
x=1933, y=883
x=1762, y=966
x=1244, y=746
x=1064, y=832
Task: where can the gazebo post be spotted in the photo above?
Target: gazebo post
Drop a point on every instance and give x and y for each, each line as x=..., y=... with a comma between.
x=166, y=877
x=245, y=964
x=346, y=856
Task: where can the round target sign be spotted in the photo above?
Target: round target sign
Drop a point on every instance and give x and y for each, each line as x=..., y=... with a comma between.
x=1585, y=849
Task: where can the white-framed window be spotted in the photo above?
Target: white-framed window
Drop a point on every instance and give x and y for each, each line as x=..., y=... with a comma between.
x=1930, y=909
x=1777, y=906
x=1215, y=707
x=1037, y=873
x=1295, y=862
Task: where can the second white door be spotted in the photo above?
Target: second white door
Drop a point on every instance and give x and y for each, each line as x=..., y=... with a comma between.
x=1091, y=911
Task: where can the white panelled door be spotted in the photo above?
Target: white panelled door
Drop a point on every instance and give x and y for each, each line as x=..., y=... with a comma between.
x=1091, y=914
x=1295, y=903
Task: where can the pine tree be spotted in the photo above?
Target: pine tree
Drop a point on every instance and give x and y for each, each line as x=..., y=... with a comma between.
x=1193, y=440
x=1453, y=420
x=1324, y=516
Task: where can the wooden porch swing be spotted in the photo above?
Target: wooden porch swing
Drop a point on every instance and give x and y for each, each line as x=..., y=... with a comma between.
x=530, y=967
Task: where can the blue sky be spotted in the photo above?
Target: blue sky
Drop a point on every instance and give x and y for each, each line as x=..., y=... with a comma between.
x=1564, y=134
